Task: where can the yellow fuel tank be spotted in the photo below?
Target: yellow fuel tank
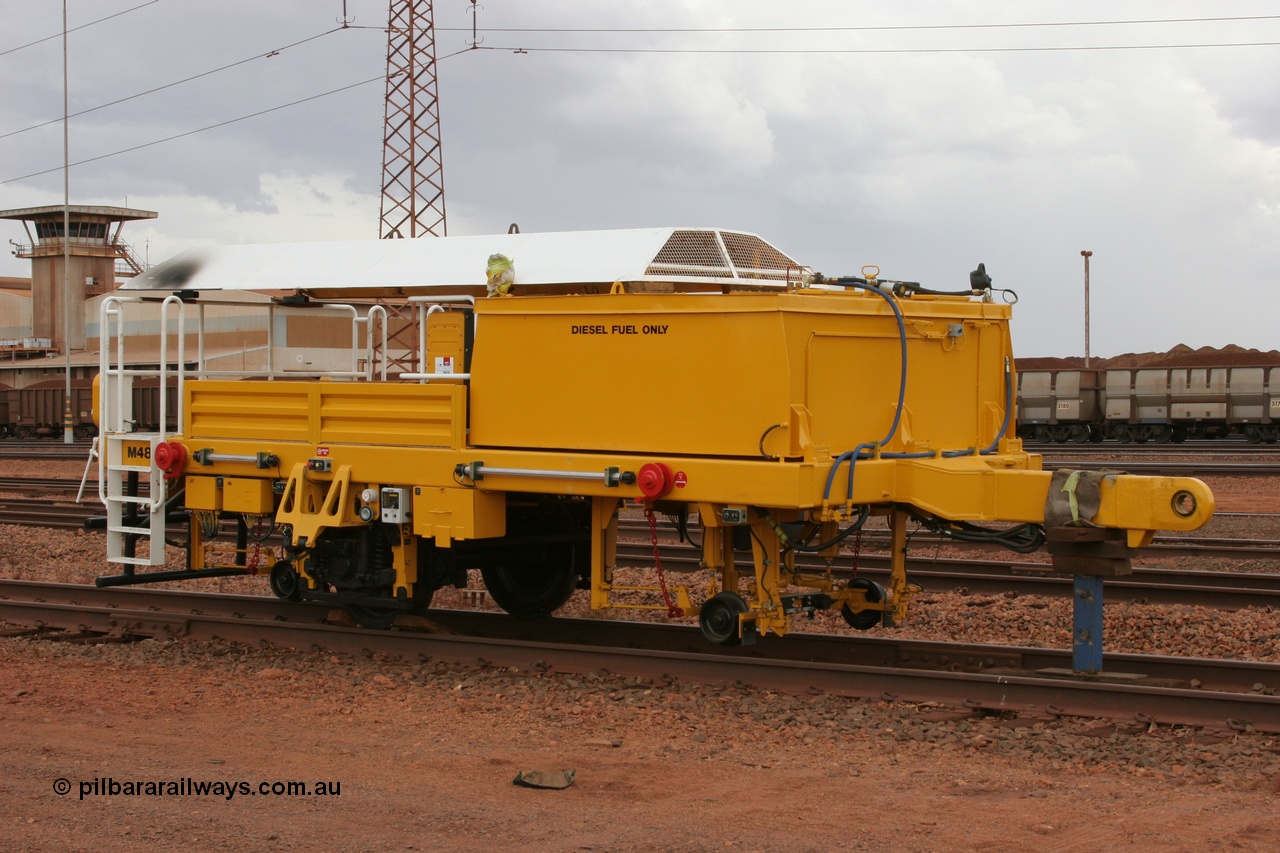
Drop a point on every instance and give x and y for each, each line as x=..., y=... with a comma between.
x=748, y=375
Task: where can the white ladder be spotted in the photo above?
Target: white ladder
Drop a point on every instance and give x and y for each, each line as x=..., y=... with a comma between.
x=133, y=519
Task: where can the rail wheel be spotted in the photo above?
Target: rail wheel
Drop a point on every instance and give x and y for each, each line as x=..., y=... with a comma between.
x=864, y=620
x=719, y=618
x=24, y=432
x=1079, y=433
x=285, y=582
x=1161, y=434
x=533, y=583
x=1123, y=434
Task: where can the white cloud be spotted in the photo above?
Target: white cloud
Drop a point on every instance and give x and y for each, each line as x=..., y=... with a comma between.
x=1166, y=163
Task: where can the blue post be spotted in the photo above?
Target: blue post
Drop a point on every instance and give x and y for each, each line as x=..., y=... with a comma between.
x=1086, y=624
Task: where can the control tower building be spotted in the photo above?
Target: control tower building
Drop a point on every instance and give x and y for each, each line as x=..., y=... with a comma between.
x=97, y=258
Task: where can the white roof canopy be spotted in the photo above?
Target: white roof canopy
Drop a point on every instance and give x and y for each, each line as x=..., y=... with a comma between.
x=543, y=262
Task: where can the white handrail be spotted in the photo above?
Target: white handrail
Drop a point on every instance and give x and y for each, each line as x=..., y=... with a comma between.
x=381, y=311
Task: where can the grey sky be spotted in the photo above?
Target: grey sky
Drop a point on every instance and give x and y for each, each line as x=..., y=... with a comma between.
x=1165, y=162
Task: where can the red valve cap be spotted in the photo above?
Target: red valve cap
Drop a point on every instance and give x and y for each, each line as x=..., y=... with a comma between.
x=654, y=479
x=171, y=457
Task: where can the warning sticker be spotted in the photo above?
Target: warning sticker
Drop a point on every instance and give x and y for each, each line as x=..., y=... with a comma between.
x=681, y=480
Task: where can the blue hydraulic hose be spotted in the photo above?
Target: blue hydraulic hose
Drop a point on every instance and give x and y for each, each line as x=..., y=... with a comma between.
x=854, y=455
x=902, y=347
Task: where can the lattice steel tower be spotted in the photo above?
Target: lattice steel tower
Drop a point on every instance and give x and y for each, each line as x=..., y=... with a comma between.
x=412, y=164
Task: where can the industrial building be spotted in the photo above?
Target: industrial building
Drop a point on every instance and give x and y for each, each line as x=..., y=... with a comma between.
x=38, y=344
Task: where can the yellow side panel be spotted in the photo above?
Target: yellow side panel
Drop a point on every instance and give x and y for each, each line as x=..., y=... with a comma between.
x=446, y=342
x=252, y=496
x=203, y=493
x=430, y=415
x=260, y=410
x=632, y=373
x=954, y=397
x=414, y=415
x=446, y=513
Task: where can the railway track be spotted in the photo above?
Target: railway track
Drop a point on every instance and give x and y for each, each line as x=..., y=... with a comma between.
x=1221, y=590
x=54, y=515
x=60, y=453
x=1236, y=695
x=46, y=486
x=1229, y=446
x=1170, y=467
x=1164, y=545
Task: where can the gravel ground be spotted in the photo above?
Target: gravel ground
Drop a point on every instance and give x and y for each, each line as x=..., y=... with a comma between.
x=426, y=751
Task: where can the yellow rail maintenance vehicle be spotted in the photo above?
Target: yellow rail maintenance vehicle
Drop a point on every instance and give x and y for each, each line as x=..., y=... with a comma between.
x=421, y=408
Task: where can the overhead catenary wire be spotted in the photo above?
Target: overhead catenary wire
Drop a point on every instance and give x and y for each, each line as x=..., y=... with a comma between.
x=852, y=51
x=379, y=78
x=866, y=29
x=59, y=34
x=672, y=51
x=267, y=55
x=139, y=147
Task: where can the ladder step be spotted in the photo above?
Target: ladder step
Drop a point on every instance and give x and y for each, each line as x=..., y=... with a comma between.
x=125, y=499
x=141, y=531
x=134, y=561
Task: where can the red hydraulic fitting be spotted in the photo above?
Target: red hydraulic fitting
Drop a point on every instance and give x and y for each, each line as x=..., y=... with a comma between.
x=171, y=458
x=655, y=480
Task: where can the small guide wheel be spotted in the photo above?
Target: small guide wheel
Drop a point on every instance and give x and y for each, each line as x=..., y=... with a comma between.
x=719, y=618
x=864, y=620
x=285, y=582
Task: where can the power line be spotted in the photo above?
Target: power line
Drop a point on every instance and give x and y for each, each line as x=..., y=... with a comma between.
x=875, y=50
x=58, y=34
x=780, y=51
x=380, y=77
x=199, y=130
x=885, y=28
x=267, y=55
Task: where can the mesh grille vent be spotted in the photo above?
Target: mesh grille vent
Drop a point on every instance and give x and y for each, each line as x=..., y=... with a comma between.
x=690, y=253
x=698, y=254
x=754, y=258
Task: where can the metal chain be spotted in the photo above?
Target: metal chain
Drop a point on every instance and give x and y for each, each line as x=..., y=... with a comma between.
x=672, y=609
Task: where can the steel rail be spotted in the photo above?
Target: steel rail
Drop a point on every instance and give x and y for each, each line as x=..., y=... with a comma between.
x=62, y=452
x=39, y=485
x=1219, y=590
x=41, y=514
x=1024, y=680
x=1171, y=468
x=1190, y=447
x=1165, y=545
